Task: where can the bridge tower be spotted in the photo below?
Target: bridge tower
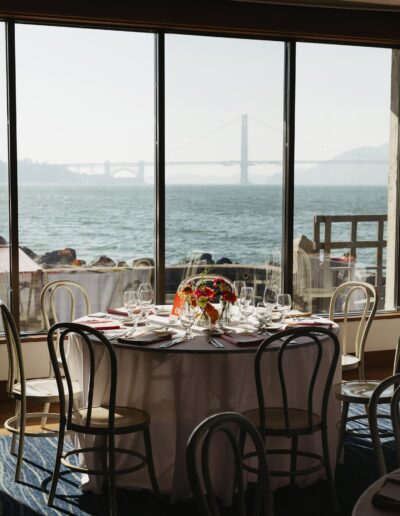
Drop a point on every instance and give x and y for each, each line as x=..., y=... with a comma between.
x=244, y=161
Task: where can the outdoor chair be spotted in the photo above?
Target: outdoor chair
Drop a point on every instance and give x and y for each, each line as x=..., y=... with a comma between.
x=105, y=421
x=199, y=451
x=40, y=390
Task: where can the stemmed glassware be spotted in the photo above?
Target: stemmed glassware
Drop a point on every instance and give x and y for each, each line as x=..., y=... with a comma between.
x=146, y=299
x=264, y=314
x=246, y=304
x=270, y=296
x=187, y=316
x=237, y=288
x=131, y=304
x=284, y=304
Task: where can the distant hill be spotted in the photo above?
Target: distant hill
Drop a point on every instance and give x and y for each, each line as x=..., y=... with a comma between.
x=333, y=173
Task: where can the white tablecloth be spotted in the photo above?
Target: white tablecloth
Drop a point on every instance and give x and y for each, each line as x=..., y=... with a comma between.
x=179, y=390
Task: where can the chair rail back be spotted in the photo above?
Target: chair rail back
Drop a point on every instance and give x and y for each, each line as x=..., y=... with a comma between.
x=286, y=340
x=88, y=338
x=16, y=370
x=347, y=292
x=198, y=451
x=395, y=417
x=48, y=297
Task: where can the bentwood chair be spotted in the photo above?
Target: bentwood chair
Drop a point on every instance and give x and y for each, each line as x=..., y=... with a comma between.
x=300, y=414
x=105, y=420
x=360, y=392
x=360, y=297
x=40, y=390
x=391, y=385
x=200, y=449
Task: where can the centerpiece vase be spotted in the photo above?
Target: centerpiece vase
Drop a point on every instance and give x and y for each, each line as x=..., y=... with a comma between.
x=226, y=314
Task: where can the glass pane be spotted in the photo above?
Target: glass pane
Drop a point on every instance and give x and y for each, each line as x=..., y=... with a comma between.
x=4, y=220
x=85, y=102
x=341, y=192
x=224, y=100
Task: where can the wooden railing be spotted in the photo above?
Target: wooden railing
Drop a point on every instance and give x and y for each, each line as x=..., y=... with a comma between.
x=352, y=244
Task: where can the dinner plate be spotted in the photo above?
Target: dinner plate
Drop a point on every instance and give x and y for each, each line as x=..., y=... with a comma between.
x=275, y=326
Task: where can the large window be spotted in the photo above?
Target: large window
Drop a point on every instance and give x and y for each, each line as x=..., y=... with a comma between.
x=85, y=107
x=224, y=117
x=342, y=148
x=86, y=146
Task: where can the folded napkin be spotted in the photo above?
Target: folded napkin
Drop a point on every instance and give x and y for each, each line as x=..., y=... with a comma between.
x=101, y=324
x=306, y=321
x=243, y=340
x=117, y=311
x=388, y=495
x=147, y=338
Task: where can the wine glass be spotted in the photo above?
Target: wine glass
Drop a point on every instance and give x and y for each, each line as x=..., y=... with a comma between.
x=284, y=304
x=270, y=295
x=146, y=300
x=246, y=303
x=237, y=288
x=263, y=314
x=187, y=315
x=131, y=304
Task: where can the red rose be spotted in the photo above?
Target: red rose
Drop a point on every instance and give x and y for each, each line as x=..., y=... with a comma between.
x=205, y=291
x=229, y=296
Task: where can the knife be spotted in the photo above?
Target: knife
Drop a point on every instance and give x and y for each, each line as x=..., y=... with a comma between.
x=171, y=343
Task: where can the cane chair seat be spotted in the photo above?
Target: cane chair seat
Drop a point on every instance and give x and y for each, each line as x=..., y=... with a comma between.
x=350, y=362
x=44, y=390
x=126, y=419
x=275, y=419
x=360, y=391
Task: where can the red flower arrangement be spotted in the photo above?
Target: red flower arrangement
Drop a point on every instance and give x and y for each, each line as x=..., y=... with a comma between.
x=201, y=295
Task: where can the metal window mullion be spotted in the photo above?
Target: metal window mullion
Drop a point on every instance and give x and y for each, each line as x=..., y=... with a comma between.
x=12, y=171
x=159, y=180
x=288, y=166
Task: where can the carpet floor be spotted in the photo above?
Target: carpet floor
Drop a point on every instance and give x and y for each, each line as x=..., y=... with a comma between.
x=29, y=496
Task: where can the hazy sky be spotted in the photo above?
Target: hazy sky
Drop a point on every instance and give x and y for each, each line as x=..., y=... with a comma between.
x=88, y=96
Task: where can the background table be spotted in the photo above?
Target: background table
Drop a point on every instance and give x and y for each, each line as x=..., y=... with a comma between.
x=181, y=386
x=364, y=506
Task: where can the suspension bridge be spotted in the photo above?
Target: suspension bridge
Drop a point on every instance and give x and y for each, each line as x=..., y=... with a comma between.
x=136, y=170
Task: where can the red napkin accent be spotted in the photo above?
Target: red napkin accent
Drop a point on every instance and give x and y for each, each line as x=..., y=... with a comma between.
x=243, y=340
x=102, y=325
x=117, y=311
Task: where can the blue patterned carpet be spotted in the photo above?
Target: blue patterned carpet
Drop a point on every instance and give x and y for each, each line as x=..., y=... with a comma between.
x=29, y=496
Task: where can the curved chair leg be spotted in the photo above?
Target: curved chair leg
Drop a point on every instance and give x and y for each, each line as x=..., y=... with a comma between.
x=328, y=469
x=150, y=463
x=342, y=430
x=56, y=472
x=111, y=475
x=293, y=460
x=46, y=409
x=21, y=440
x=14, y=435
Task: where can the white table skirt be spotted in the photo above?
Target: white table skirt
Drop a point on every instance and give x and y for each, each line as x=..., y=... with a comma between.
x=179, y=390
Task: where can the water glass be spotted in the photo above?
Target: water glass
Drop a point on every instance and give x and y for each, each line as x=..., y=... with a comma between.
x=146, y=301
x=284, y=304
x=237, y=288
x=246, y=303
x=264, y=314
x=270, y=295
x=187, y=316
x=131, y=304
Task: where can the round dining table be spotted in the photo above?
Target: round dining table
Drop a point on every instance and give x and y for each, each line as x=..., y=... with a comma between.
x=364, y=505
x=182, y=385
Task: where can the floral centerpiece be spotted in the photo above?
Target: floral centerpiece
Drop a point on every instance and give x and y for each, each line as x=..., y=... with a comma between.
x=202, y=295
